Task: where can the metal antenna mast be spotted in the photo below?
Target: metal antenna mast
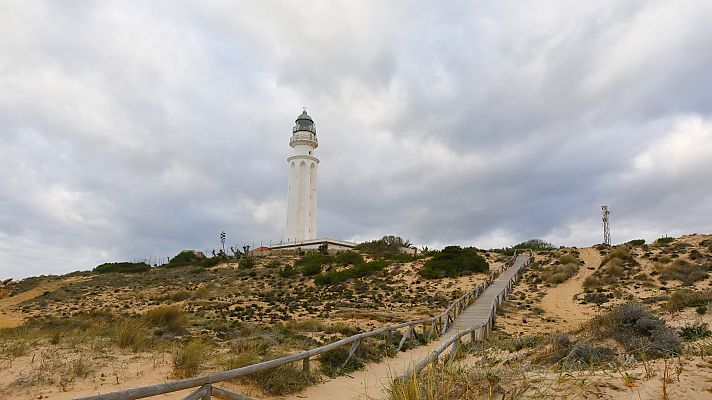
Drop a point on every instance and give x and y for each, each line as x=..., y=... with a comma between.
x=606, y=227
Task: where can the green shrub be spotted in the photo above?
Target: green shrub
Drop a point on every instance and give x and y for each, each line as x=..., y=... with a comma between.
x=349, y=258
x=637, y=242
x=213, y=261
x=283, y=380
x=314, y=258
x=311, y=269
x=247, y=262
x=185, y=257
x=694, y=331
x=125, y=267
x=534, y=245
x=454, y=261
x=332, y=362
x=343, y=275
x=384, y=247
x=287, y=272
x=664, y=240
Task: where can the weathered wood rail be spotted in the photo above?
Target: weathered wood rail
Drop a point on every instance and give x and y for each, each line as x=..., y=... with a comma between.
x=429, y=327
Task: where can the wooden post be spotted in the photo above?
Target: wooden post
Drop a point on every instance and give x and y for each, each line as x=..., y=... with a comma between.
x=305, y=365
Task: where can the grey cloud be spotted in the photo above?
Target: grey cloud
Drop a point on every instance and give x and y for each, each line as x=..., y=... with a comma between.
x=132, y=130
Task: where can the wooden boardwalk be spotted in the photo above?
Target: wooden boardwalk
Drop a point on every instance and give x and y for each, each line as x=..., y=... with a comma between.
x=479, y=312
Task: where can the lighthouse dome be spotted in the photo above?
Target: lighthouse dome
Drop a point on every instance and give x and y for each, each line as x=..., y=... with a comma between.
x=304, y=123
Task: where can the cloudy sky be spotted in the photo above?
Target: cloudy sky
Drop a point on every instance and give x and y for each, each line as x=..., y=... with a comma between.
x=136, y=129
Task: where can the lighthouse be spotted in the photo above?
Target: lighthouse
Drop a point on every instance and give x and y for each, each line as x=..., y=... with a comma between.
x=301, y=190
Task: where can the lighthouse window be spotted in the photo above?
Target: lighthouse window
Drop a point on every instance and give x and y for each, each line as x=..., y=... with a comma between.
x=309, y=152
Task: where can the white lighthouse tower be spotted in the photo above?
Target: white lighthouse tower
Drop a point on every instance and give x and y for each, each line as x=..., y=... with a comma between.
x=301, y=199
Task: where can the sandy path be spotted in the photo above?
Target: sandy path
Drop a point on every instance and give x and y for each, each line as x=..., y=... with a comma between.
x=559, y=301
x=10, y=317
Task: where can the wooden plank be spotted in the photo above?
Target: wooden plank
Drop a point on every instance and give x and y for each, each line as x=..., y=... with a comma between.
x=199, y=394
x=227, y=395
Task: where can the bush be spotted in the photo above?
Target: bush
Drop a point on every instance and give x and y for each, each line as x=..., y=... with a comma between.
x=185, y=257
x=560, y=273
x=131, y=333
x=311, y=270
x=569, y=259
x=534, y=245
x=384, y=247
x=683, y=271
x=287, y=271
x=637, y=330
x=247, y=262
x=698, y=330
x=213, y=261
x=637, y=242
x=283, y=380
x=349, y=258
x=357, y=271
x=189, y=359
x=684, y=298
x=664, y=240
x=170, y=318
x=332, y=361
x=562, y=350
x=125, y=267
x=454, y=261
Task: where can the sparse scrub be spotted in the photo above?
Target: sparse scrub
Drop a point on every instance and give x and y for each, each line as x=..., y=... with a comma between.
x=637, y=242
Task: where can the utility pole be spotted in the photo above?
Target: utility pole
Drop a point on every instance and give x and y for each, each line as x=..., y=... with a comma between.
x=606, y=227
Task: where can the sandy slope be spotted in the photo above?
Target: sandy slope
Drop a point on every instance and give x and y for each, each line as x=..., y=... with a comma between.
x=10, y=317
x=559, y=301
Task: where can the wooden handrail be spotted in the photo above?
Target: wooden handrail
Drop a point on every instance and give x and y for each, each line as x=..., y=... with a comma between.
x=148, y=391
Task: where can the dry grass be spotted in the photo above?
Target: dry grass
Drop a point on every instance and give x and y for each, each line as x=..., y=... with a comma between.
x=189, y=359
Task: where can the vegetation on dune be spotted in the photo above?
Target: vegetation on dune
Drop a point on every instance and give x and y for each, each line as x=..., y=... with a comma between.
x=637, y=330
x=388, y=248
x=534, y=245
x=683, y=271
x=454, y=261
x=683, y=298
x=191, y=258
x=125, y=267
x=189, y=358
x=356, y=271
x=637, y=242
x=664, y=240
